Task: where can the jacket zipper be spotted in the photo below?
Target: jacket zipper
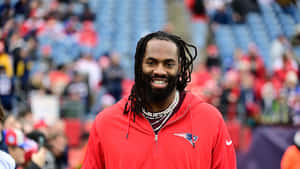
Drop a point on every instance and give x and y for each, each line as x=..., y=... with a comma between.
x=155, y=134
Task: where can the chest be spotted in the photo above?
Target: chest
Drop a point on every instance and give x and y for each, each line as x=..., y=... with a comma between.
x=172, y=147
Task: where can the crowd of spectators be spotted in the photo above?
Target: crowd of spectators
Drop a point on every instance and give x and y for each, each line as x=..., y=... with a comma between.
x=47, y=46
x=49, y=74
x=231, y=11
x=248, y=92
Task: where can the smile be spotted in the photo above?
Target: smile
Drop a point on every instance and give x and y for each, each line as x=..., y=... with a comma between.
x=159, y=83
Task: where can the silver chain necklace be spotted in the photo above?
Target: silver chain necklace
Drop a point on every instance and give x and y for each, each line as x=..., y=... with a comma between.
x=164, y=113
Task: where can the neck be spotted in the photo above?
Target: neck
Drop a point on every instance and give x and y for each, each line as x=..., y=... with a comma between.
x=162, y=105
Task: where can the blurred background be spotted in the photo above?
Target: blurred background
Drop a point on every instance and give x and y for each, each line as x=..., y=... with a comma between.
x=63, y=61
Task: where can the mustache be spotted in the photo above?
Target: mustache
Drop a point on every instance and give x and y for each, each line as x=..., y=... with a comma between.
x=159, y=76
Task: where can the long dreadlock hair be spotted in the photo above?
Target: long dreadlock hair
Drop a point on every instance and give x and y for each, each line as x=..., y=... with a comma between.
x=2, y=114
x=137, y=97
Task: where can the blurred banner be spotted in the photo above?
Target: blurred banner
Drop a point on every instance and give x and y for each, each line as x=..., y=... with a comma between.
x=267, y=148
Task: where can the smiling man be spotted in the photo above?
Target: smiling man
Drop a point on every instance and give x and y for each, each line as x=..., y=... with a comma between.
x=160, y=125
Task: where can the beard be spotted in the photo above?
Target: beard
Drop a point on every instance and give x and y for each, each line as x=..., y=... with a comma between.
x=158, y=95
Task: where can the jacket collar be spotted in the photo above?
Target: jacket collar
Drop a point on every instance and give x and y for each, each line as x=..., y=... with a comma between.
x=142, y=124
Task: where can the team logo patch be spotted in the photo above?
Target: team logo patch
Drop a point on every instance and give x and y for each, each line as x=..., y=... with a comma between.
x=11, y=139
x=188, y=136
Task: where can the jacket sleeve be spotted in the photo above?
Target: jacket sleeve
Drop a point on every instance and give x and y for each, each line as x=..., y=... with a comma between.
x=94, y=158
x=223, y=155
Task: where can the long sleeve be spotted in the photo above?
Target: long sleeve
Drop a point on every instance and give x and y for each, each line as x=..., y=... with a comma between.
x=6, y=161
x=223, y=155
x=94, y=158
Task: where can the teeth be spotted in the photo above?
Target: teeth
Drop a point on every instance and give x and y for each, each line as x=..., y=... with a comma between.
x=159, y=82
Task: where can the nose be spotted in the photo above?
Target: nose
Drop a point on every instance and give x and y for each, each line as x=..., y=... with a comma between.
x=159, y=70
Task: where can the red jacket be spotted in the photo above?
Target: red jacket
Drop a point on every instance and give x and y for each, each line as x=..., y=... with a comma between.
x=110, y=148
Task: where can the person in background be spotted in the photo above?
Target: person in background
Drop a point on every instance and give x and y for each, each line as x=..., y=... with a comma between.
x=6, y=90
x=25, y=117
x=290, y=158
x=113, y=76
x=230, y=95
x=72, y=106
x=3, y=146
x=22, y=66
x=213, y=59
x=86, y=65
x=22, y=8
x=78, y=87
x=107, y=100
x=5, y=59
x=11, y=122
x=17, y=144
x=221, y=16
x=6, y=161
x=41, y=139
x=58, y=144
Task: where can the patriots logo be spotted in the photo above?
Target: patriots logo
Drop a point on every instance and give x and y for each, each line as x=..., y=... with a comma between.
x=188, y=137
x=11, y=139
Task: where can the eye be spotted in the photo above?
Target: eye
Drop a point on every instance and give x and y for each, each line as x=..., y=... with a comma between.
x=170, y=65
x=149, y=63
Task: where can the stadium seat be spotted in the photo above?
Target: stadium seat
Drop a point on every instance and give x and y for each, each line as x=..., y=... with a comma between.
x=199, y=31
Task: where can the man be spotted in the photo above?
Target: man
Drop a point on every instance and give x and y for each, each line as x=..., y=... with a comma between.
x=160, y=125
x=14, y=140
x=6, y=161
x=6, y=90
x=17, y=145
x=3, y=146
x=113, y=77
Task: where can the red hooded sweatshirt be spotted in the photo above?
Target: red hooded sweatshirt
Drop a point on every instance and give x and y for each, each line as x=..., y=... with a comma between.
x=195, y=137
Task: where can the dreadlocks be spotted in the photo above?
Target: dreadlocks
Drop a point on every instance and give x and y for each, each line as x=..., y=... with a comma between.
x=2, y=114
x=136, y=99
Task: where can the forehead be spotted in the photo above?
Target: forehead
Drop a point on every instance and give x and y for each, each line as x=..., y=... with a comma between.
x=161, y=49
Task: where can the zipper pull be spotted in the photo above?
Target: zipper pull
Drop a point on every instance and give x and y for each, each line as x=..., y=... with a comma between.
x=156, y=137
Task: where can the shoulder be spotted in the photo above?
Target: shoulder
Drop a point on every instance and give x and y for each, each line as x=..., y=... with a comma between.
x=292, y=150
x=6, y=160
x=5, y=156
